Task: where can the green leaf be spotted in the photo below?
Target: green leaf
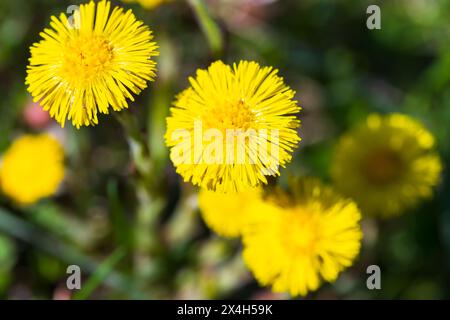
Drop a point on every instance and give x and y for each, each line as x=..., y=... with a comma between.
x=100, y=274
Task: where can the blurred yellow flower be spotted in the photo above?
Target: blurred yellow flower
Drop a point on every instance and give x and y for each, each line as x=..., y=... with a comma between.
x=387, y=164
x=147, y=4
x=233, y=127
x=32, y=168
x=298, y=239
x=227, y=214
x=90, y=62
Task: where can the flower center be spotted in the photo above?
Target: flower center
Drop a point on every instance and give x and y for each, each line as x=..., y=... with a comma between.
x=229, y=116
x=381, y=166
x=301, y=231
x=85, y=57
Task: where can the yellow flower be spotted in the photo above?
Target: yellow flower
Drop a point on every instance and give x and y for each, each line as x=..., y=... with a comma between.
x=227, y=214
x=296, y=240
x=147, y=4
x=32, y=168
x=90, y=62
x=233, y=127
x=387, y=164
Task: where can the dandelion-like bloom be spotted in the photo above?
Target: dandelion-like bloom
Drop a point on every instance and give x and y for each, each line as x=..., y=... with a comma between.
x=32, y=168
x=297, y=240
x=227, y=214
x=91, y=62
x=233, y=127
x=147, y=4
x=387, y=164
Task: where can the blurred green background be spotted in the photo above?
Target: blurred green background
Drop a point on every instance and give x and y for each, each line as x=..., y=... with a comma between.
x=103, y=219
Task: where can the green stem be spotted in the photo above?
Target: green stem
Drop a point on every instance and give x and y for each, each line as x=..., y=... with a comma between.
x=138, y=150
x=209, y=26
x=147, y=242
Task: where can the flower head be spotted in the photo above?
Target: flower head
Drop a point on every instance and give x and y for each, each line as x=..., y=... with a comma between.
x=296, y=240
x=32, y=168
x=227, y=214
x=90, y=62
x=233, y=127
x=147, y=4
x=387, y=164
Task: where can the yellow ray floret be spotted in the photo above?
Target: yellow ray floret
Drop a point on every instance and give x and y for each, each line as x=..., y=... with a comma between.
x=387, y=164
x=297, y=240
x=90, y=62
x=32, y=168
x=227, y=214
x=233, y=127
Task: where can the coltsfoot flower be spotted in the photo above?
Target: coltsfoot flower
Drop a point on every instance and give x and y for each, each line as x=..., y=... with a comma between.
x=147, y=4
x=233, y=127
x=387, y=164
x=227, y=214
x=298, y=239
x=91, y=62
x=32, y=168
